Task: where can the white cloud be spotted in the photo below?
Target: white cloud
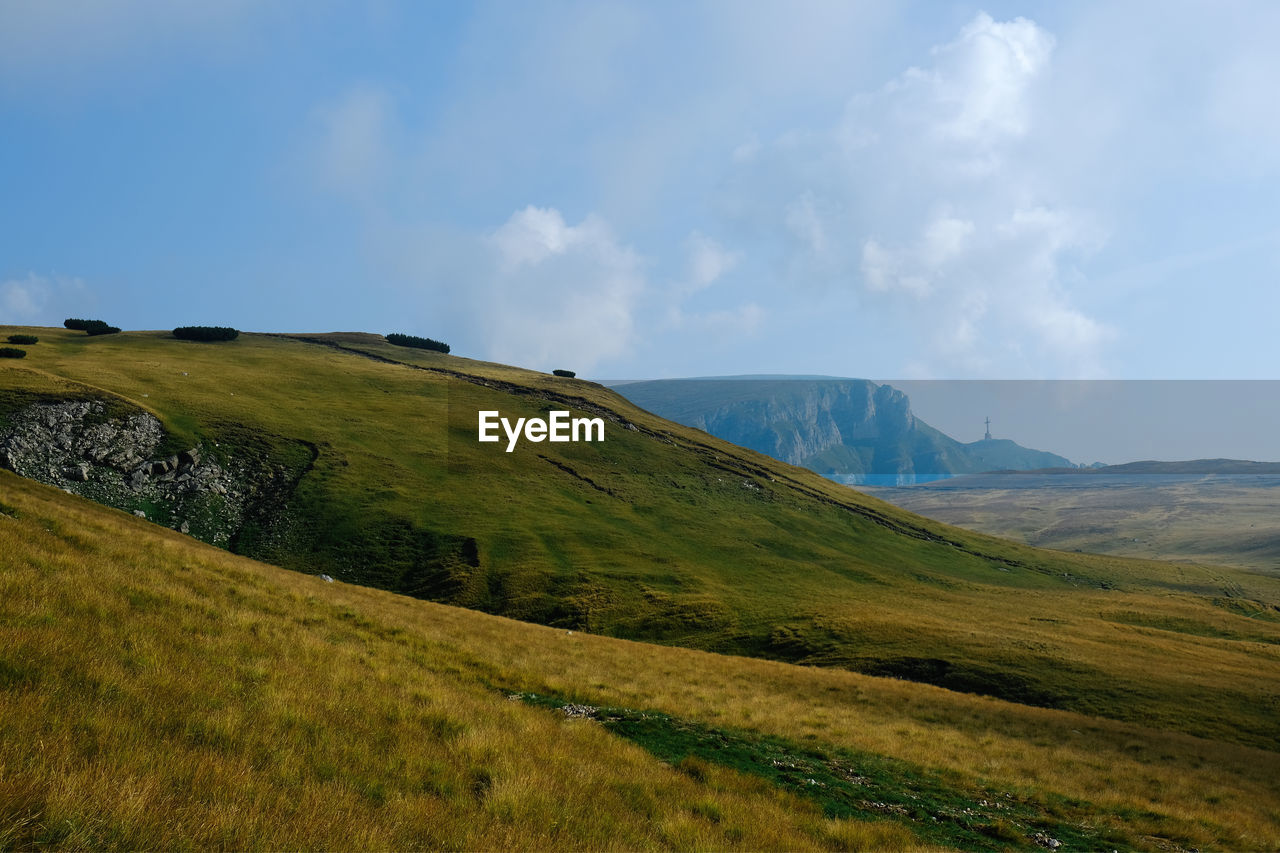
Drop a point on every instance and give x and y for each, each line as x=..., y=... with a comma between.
x=535, y=234
x=21, y=301
x=957, y=117
x=980, y=81
x=42, y=300
x=919, y=197
x=708, y=261
x=990, y=293
x=884, y=269
x=553, y=294
x=944, y=239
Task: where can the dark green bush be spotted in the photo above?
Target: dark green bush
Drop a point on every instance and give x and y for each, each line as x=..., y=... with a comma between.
x=24, y=339
x=12, y=352
x=416, y=342
x=206, y=333
x=568, y=374
x=92, y=327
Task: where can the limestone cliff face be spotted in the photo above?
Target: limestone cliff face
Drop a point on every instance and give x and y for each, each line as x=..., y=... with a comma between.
x=92, y=449
x=841, y=428
x=796, y=427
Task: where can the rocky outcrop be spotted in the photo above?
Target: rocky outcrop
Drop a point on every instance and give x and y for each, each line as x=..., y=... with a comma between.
x=90, y=449
x=851, y=430
x=798, y=427
x=48, y=441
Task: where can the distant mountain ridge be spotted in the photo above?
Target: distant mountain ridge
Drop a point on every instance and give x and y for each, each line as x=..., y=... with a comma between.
x=1179, y=468
x=850, y=430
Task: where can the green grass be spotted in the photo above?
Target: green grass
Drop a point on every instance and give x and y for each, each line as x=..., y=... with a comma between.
x=664, y=534
x=157, y=693
x=850, y=784
x=1225, y=520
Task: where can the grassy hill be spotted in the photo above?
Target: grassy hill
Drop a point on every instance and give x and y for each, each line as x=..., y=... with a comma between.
x=158, y=693
x=664, y=534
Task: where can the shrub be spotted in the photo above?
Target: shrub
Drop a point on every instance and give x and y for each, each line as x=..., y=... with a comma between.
x=12, y=352
x=92, y=327
x=23, y=339
x=568, y=374
x=416, y=342
x=206, y=333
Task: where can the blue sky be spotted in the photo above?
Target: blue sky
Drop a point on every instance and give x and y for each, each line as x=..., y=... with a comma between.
x=890, y=190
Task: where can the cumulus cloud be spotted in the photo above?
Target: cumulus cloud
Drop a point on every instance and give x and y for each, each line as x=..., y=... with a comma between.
x=535, y=290
x=980, y=81
x=549, y=292
x=919, y=197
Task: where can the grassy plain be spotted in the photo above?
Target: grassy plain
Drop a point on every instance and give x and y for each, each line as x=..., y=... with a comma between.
x=1230, y=520
x=157, y=693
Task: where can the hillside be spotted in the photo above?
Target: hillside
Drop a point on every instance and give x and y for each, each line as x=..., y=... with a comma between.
x=851, y=430
x=347, y=456
x=157, y=693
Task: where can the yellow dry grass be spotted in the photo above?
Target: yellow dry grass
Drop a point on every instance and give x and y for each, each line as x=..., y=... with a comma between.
x=160, y=694
x=156, y=693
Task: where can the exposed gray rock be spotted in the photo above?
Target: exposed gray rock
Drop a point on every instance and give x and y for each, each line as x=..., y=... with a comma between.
x=139, y=513
x=83, y=448
x=846, y=429
x=1045, y=840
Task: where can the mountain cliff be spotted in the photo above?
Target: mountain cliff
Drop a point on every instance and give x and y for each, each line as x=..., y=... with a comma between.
x=850, y=430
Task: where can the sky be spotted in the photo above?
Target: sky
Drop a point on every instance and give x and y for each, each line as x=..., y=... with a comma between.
x=1109, y=421
x=932, y=190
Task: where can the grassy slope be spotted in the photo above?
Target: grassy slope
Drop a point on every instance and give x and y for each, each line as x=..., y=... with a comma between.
x=659, y=534
x=158, y=693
